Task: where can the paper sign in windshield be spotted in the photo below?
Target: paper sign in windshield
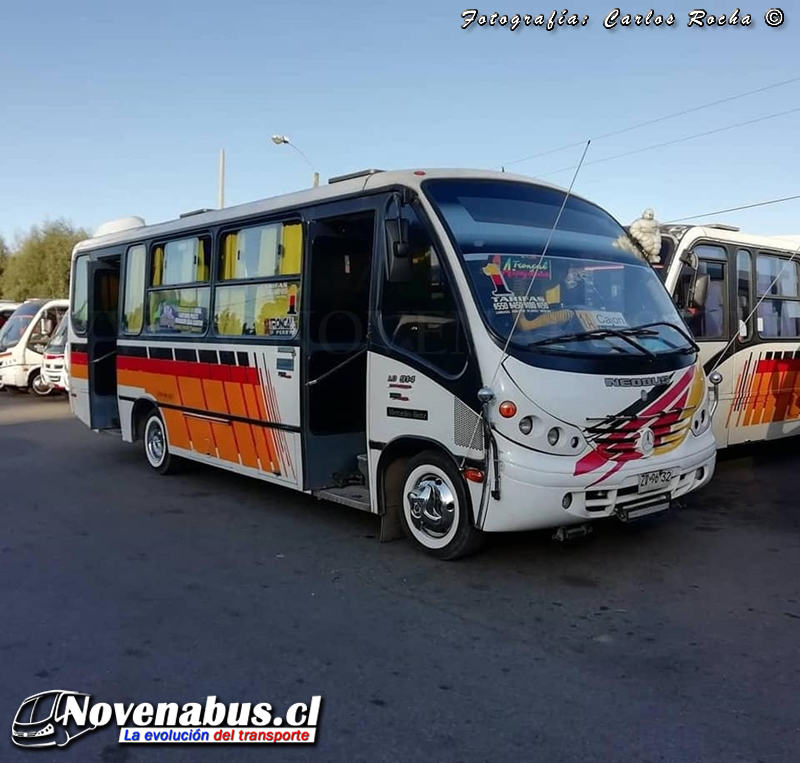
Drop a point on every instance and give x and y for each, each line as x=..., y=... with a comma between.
x=603, y=320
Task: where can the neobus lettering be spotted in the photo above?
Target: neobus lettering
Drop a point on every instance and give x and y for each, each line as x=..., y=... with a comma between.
x=610, y=21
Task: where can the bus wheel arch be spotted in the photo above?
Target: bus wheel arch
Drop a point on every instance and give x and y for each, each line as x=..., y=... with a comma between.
x=429, y=472
x=149, y=427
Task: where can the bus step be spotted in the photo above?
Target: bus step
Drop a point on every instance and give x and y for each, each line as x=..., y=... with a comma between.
x=354, y=496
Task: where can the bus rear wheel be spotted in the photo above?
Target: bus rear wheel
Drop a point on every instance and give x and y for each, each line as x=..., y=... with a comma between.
x=436, y=510
x=156, y=446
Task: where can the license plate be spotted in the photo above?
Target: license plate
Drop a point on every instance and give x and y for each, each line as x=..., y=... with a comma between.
x=652, y=481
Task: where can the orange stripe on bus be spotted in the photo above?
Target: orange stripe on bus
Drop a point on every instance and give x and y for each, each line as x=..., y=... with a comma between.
x=245, y=444
x=177, y=432
x=214, y=392
x=226, y=442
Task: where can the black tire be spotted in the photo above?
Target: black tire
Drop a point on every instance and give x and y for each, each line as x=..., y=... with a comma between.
x=38, y=386
x=445, y=531
x=156, y=446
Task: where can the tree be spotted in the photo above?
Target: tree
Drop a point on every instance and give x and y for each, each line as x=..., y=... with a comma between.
x=3, y=260
x=39, y=264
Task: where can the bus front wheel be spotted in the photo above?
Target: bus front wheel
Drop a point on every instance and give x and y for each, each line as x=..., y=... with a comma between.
x=436, y=510
x=156, y=446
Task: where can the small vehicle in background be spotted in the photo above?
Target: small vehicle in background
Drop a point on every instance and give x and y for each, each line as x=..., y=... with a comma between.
x=54, y=364
x=23, y=340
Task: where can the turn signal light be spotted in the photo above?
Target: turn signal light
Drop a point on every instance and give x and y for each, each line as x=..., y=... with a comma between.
x=473, y=475
x=507, y=409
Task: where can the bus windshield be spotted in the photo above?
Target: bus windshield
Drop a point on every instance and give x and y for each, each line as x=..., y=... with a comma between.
x=58, y=342
x=15, y=326
x=592, y=292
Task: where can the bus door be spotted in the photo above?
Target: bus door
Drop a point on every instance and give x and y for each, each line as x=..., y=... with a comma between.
x=101, y=345
x=336, y=309
x=702, y=295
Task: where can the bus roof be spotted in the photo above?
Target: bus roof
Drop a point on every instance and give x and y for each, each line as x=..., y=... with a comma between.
x=131, y=229
x=729, y=235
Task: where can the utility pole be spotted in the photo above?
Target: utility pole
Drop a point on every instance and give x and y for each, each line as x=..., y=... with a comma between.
x=222, y=178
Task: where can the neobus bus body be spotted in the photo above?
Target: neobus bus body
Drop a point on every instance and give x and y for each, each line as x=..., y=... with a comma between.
x=425, y=345
x=23, y=340
x=740, y=295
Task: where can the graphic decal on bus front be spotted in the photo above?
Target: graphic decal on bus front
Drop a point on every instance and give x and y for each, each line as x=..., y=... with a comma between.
x=504, y=300
x=767, y=390
x=655, y=424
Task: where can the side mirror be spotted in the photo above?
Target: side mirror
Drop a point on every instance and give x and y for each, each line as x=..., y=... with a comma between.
x=690, y=258
x=398, y=259
x=699, y=293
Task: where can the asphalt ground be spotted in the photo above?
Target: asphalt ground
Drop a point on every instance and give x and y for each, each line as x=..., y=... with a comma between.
x=672, y=640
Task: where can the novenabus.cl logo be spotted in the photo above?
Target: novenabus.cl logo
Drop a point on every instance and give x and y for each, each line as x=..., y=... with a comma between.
x=55, y=718
x=41, y=720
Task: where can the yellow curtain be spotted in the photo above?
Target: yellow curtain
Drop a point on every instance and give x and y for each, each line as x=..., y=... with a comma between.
x=158, y=266
x=230, y=252
x=292, y=240
x=268, y=247
x=202, y=268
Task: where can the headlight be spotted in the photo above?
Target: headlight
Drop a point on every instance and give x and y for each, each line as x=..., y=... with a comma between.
x=549, y=435
x=701, y=420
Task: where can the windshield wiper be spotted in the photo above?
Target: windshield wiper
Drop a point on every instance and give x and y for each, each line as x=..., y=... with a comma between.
x=596, y=334
x=644, y=329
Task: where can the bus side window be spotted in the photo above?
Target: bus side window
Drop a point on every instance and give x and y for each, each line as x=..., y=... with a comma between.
x=421, y=315
x=744, y=297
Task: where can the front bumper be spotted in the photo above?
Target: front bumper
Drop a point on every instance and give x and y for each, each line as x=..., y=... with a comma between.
x=534, y=486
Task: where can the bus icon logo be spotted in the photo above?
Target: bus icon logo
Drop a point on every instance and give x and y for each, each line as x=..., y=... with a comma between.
x=42, y=722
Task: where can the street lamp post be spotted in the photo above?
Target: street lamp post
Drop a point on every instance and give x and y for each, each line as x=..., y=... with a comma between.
x=221, y=182
x=282, y=140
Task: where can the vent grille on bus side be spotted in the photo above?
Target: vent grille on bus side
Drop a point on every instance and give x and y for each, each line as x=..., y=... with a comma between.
x=467, y=431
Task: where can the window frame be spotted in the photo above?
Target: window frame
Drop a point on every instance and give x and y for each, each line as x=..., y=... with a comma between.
x=289, y=218
x=750, y=314
x=724, y=259
x=86, y=258
x=124, y=289
x=446, y=271
x=149, y=289
x=764, y=298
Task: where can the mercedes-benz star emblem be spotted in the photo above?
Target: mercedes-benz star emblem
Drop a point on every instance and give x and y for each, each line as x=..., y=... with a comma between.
x=647, y=442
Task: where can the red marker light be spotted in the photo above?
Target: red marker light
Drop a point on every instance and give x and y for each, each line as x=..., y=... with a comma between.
x=507, y=409
x=418, y=172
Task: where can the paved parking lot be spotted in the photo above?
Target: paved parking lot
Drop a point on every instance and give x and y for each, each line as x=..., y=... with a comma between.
x=676, y=640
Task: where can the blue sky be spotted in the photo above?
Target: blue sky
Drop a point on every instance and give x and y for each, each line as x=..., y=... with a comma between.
x=110, y=110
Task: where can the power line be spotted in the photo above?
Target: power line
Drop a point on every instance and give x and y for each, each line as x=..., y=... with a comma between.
x=734, y=209
x=677, y=140
x=654, y=121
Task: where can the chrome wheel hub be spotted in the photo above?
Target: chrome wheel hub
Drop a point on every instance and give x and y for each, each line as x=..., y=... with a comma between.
x=155, y=443
x=432, y=505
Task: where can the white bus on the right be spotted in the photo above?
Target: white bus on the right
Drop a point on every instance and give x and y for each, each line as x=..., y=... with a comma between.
x=740, y=296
